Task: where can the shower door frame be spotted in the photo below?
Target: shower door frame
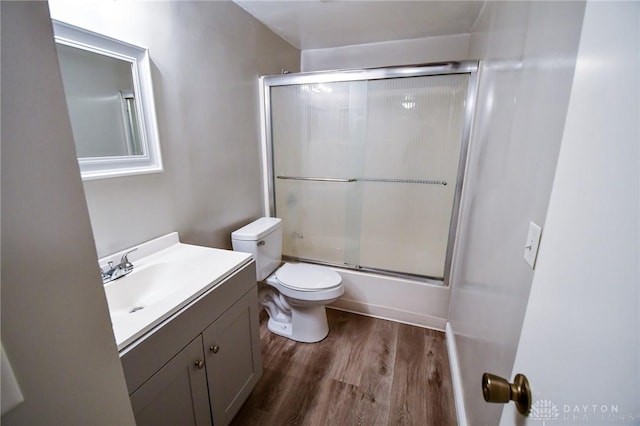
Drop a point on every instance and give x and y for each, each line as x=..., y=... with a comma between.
x=434, y=69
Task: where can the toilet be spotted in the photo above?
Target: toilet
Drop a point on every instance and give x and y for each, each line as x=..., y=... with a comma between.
x=295, y=295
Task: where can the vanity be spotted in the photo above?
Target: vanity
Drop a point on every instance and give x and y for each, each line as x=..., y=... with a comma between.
x=186, y=325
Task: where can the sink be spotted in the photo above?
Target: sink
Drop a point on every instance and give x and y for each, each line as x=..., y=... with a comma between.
x=147, y=287
x=167, y=276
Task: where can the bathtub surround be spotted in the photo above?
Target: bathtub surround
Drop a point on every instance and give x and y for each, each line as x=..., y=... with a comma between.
x=398, y=299
x=206, y=58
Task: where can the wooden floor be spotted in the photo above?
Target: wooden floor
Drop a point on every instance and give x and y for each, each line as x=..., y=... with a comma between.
x=366, y=372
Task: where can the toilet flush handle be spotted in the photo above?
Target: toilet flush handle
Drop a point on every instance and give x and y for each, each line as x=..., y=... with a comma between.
x=261, y=243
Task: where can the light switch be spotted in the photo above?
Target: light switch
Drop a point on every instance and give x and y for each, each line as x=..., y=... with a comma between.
x=532, y=244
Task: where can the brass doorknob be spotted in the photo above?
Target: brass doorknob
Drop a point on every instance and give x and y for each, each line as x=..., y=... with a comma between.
x=499, y=390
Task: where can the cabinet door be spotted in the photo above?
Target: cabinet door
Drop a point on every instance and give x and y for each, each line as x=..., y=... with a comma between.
x=234, y=360
x=177, y=394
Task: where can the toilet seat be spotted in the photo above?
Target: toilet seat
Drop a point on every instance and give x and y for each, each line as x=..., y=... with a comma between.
x=307, y=278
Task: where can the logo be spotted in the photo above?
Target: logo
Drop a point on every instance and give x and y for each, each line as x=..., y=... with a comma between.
x=544, y=410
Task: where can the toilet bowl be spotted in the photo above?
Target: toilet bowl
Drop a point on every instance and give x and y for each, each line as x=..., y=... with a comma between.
x=303, y=290
x=293, y=294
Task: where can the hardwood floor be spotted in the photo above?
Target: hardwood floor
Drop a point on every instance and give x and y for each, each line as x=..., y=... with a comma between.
x=366, y=372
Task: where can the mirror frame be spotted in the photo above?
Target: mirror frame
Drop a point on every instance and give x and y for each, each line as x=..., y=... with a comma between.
x=150, y=161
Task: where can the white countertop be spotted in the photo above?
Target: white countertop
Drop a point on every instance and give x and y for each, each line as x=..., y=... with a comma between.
x=167, y=276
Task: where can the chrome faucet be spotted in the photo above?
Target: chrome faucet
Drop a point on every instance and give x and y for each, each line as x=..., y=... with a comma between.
x=120, y=270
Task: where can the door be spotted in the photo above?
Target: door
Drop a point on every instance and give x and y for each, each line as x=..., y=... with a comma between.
x=579, y=344
x=177, y=394
x=366, y=173
x=234, y=360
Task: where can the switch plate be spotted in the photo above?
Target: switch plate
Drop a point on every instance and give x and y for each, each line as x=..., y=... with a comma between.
x=532, y=244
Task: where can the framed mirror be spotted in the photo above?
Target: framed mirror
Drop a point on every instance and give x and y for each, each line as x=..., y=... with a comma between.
x=107, y=85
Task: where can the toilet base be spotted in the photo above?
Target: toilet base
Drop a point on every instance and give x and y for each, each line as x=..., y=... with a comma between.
x=279, y=328
x=308, y=324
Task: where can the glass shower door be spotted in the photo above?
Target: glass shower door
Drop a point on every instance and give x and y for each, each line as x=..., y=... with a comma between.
x=414, y=135
x=365, y=172
x=318, y=137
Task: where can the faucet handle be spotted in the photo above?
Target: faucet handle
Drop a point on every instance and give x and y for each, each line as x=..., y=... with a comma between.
x=124, y=261
x=107, y=272
x=107, y=268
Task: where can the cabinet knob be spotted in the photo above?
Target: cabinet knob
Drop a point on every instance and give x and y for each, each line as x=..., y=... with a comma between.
x=215, y=349
x=200, y=364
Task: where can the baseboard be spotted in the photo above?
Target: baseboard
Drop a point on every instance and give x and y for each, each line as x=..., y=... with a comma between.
x=455, y=376
x=390, y=314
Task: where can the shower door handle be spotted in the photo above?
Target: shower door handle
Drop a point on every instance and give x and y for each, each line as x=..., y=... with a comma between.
x=363, y=179
x=318, y=179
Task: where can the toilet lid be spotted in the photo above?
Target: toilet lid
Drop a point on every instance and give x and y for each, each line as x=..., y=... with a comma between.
x=301, y=276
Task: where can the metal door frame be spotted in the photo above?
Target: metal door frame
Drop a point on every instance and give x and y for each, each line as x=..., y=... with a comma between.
x=446, y=68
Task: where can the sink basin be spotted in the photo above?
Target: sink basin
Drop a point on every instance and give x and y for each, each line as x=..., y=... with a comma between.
x=167, y=276
x=148, y=286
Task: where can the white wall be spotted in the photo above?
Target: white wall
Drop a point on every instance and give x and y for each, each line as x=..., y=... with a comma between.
x=580, y=342
x=401, y=52
x=206, y=58
x=55, y=324
x=529, y=51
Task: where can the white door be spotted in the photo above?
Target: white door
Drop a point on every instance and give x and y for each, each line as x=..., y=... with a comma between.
x=580, y=342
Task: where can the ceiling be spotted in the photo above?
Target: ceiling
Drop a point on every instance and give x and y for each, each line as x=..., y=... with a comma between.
x=315, y=24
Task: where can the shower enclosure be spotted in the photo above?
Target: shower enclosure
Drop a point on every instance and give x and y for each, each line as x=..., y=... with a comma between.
x=365, y=167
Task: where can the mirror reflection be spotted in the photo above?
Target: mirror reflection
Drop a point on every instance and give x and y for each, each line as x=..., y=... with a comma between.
x=101, y=102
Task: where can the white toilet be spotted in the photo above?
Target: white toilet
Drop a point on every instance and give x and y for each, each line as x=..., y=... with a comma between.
x=295, y=295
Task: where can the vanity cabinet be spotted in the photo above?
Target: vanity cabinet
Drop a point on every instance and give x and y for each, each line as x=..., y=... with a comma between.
x=231, y=353
x=177, y=394
x=201, y=365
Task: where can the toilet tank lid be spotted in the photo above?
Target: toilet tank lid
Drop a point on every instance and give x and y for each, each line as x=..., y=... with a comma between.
x=257, y=229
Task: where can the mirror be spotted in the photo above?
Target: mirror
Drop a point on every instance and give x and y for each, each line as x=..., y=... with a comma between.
x=107, y=85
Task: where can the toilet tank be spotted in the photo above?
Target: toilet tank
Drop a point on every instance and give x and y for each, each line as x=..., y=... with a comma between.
x=263, y=239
